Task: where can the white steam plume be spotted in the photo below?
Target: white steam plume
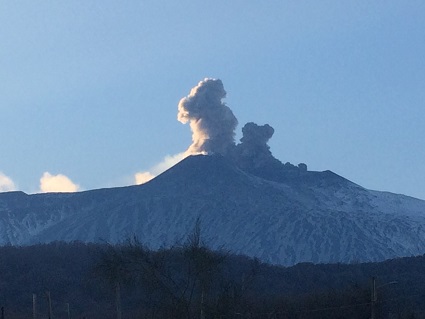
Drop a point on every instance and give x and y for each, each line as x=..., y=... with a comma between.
x=6, y=183
x=143, y=177
x=212, y=122
x=166, y=163
x=57, y=183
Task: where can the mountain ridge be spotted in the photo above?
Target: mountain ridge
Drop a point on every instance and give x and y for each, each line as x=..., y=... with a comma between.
x=317, y=217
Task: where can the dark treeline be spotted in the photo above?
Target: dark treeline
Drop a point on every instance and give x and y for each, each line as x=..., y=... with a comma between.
x=191, y=281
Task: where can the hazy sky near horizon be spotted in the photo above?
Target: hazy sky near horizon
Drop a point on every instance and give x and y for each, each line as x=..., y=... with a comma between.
x=89, y=89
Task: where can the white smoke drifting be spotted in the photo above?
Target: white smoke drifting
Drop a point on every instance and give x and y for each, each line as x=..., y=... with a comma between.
x=57, y=183
x=212, y=122
x=167, y=162
x=6, y=183
x=143, y=177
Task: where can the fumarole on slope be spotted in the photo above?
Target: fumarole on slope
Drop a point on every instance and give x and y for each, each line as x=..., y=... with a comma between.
x=302, y=217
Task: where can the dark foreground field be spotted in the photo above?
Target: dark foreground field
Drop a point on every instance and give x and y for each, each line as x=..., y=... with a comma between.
x=191, y=281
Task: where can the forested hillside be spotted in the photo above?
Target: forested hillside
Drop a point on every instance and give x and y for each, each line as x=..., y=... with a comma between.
x=185, y=281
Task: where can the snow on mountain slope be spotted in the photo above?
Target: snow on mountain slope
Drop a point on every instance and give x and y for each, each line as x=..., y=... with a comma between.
x=313, y=216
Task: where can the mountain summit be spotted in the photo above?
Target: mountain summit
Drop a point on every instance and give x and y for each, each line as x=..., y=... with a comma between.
x=292, y=216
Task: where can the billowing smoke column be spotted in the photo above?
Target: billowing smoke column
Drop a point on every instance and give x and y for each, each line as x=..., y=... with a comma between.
x=213, y=130
x=255, y=138
x=253, y=151
x=212, y=122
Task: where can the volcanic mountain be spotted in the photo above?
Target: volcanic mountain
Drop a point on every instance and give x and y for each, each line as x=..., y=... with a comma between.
x=282, y=216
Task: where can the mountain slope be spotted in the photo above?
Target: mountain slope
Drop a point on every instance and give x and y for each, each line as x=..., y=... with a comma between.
x=310, y=216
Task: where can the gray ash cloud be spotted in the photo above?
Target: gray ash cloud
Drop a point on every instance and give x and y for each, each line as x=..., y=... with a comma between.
x=213, y=127
x=212, y=122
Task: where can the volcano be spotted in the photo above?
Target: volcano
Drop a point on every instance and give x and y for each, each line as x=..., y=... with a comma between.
x=281, y=216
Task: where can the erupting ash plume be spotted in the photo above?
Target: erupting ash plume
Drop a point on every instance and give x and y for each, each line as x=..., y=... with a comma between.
x=212, y=122
x=255, y=138
x=253, y=151
x=213, y=127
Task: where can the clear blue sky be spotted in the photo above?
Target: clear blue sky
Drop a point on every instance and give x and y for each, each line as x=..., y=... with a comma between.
x=89, y=89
